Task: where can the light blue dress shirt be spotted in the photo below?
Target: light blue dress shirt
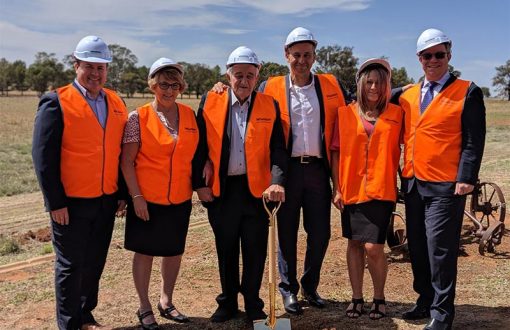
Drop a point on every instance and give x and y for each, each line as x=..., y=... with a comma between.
x=98, y=105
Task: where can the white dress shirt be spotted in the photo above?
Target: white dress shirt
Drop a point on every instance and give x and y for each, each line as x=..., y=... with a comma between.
x=437, y=88
x=305, y=120
x=238, y=120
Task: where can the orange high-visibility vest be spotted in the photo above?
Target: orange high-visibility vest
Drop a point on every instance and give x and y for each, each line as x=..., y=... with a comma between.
x=433, y=140
x=89, y=163
x=163, y=164
x=332, y=98
x=368, y=165
x=256, y=143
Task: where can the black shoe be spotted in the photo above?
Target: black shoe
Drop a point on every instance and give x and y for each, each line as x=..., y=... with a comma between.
x=223, y=314
x=437, y=325
x=167, y=314
x=291, y=304
x=417, y=313
x=314, y=299
x=256, y=315
x=147, y=326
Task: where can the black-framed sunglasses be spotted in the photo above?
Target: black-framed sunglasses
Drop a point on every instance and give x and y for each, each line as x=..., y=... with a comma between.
x=164, y=86
x=438, y=55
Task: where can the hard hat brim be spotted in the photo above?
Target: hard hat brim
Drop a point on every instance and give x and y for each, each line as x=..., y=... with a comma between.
x=92, y=59
x=290, y=44
x=374, y=61
x=176, y=66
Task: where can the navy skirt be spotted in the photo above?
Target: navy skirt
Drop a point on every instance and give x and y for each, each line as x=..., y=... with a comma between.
x=164, y=235
x=367, y=222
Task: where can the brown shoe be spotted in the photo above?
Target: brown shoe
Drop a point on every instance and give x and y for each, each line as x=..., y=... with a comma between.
x=94, y=326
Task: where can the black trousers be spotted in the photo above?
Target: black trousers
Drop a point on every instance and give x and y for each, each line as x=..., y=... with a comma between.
x=308, y=188
x=239, y=220
x=433, y=232
x=81, y=248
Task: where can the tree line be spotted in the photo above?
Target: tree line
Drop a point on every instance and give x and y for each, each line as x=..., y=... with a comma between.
x=48, y=73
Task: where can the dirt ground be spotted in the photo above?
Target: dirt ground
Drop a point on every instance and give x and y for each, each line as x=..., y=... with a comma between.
x=27, y=297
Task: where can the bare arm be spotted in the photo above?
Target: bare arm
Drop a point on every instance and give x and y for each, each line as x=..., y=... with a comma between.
x=127, y=165
x=337, y=196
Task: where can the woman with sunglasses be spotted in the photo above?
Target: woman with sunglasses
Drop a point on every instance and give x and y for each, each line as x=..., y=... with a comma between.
x=365, y=155
x=159, y=144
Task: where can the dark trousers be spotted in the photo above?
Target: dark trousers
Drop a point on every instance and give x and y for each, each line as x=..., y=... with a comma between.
x=81, y=248
x=433, y=232
x=307, y=187
x=239, y=219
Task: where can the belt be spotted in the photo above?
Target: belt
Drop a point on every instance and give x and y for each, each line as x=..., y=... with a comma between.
x=305, y=159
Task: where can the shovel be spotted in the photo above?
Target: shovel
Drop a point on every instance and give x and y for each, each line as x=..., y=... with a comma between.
x=271, y=322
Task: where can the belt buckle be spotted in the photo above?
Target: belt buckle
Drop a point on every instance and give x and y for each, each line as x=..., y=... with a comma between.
x=304, y=159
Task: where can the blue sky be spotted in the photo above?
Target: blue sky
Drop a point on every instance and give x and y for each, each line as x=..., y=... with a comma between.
x=202, y=31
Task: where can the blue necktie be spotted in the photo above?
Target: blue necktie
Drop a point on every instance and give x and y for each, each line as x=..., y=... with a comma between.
x=429, y=95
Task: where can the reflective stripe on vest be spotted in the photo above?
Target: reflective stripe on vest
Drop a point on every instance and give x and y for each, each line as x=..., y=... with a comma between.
x=433, y=140
x=90, y=154
x=163, y=164
x=368, y=166
x=257, y=138
x=332, y=99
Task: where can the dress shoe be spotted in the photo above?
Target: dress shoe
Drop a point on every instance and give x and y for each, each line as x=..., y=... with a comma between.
x=291, y=304
x=223, y=314
x=94, y=326
x=256, y=314
x=314, y=299
x=437, y=325
x=167, y=314
x=417, y=313
x=147, y=326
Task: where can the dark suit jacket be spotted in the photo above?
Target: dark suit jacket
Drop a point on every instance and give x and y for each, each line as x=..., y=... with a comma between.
x=278, y=156
x=473, y=142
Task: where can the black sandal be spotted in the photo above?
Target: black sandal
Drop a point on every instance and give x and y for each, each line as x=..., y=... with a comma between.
x=167, y=313
x=152, y=326
x=375, y=313
x=353, y=312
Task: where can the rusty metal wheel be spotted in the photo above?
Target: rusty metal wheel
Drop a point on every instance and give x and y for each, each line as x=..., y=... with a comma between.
x=488, y=204
x=396, y=235
x=491, y=237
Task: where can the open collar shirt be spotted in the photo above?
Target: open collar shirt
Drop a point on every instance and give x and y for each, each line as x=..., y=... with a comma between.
x=305, y=120
x=238, y=120
x=98, y=105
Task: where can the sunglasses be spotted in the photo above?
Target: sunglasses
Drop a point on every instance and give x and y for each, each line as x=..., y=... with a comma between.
x=438, y=55
x=164, y=86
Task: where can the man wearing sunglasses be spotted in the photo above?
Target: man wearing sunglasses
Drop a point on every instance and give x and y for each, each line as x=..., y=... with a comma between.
x=443, y=146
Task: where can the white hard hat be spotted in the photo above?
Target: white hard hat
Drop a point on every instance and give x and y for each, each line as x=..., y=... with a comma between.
x=242, y=55
x=373, y=62
x=430, y=38
x=300, y=34
x=93, y=49
x=164, y=62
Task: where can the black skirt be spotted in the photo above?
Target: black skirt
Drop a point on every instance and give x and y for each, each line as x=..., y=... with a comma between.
x=163, y=235
x=367, y=222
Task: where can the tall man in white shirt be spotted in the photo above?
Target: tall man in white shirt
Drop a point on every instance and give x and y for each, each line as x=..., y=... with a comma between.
x=308, y=104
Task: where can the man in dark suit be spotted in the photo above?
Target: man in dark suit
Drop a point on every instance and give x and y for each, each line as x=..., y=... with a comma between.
x=444, y=141
x=241, y=136
x=76, y=147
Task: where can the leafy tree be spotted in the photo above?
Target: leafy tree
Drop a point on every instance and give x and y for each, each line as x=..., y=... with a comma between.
x=400, y=78
x=197, y=76
x=143, y=87
x=340, y=62
x=19, y=73
x=453, y=71
x=46, y=72
x=270, y=69
x=131, y=82
x=214, y=76
x=502, y=80
x=486, y=91
x=123, y=60
x=5, y=76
